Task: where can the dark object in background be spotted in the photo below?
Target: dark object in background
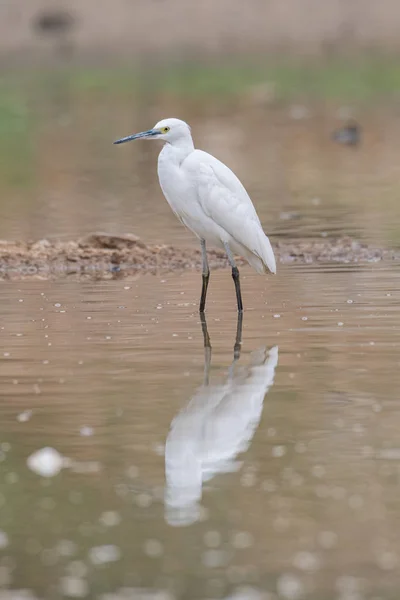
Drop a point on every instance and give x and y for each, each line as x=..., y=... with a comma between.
x=54, y=22
x=350, y=135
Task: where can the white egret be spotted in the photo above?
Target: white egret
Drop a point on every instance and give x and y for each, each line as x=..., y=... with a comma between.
x=208, y=199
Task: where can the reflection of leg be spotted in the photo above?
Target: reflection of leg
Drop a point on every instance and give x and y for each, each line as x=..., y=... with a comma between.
x=238, y=341
x=206, y=276
x=235, y=277
x=238, y=345
x=207, y=348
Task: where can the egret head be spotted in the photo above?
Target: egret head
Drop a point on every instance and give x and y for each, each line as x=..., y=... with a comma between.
x=167, y=130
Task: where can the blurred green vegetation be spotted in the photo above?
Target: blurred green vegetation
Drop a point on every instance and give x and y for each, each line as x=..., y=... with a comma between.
x=32, y=99
x=16, y=136
x=338, y=79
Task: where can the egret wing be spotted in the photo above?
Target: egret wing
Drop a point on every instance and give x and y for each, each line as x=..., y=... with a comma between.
x=224, y=199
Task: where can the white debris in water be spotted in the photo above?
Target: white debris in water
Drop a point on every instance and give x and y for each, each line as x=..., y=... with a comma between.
x=389, y=454
x=350, y=301
x=212, y=559
x=24, y=416
x=242, y=540
x=3, y=540
x=318, y=471
x=304, y=318
x=322, y=491
x=306, y=561
x=356, y=501
x=121, y=489
x=298, y=112
x=110, y=518
x=132, y=472
x=66, y=548
x=340, y=324
x=127, y=287
x=137, y=594
x=248, y=479
x=144, y=500
x=48, y=558
x=76, y=568
x=153, y=548
x=86, y=431
x=349, y=587
x=339, y=493
x=278, y=451
x=281, y=524
x=290, y=587
x=17, y=595
x=74, y=587
x=250, y=593
x=159, y=449
x=46, y=462
x=204, y=514
x=277, y=316
x=75, y=497
x=269, y=485
x=387, y=561
x=327, y=539
x=47, y=503
x=358, y=428
x=12, y=478
x=212, y=539
x=100, y=555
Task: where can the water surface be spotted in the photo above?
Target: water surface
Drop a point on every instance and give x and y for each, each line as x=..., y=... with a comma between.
x=110, y=374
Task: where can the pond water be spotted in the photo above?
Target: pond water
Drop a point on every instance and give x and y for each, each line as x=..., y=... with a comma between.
x=132, y=466
x=278, y=479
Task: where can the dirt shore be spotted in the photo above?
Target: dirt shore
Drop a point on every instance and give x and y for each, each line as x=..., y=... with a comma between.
x=103, y=256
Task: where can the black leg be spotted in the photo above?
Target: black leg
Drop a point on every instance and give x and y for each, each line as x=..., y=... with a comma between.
x=204, y=292
x=207, y=348
x=235, y=277
x=206, y=276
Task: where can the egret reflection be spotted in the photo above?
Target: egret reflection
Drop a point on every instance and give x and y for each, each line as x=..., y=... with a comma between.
x=217, y=424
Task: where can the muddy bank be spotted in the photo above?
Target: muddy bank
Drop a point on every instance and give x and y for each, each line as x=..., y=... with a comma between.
x=103, y=256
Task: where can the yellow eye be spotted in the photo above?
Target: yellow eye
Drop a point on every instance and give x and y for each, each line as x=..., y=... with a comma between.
x=165, y=129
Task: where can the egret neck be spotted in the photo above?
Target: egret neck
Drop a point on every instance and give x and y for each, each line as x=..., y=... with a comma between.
x=178, y=149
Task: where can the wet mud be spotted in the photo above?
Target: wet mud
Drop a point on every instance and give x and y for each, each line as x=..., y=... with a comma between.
x=104, y=256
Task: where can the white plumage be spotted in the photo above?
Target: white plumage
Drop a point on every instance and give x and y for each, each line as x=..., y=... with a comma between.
x=207, y=436
x=209, y=199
